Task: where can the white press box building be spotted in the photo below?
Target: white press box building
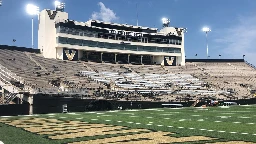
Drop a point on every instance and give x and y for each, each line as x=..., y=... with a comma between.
x=61, y=38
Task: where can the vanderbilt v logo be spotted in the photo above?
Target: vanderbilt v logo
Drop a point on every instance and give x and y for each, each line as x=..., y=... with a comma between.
x=70, y=56
x=179, y=32
x=169, y=62
x=51, y=15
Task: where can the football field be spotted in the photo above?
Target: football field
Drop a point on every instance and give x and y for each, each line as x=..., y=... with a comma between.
x=223, y=125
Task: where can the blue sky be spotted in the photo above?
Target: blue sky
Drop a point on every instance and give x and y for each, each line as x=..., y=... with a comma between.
x=233, y=22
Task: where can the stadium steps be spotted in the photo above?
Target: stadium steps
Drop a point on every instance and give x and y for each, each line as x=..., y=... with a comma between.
x=195, y=103
x=9, y=98
x=37, y=63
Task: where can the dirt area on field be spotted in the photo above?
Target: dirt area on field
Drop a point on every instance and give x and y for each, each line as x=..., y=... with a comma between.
x=58, y=129
x=145, y=138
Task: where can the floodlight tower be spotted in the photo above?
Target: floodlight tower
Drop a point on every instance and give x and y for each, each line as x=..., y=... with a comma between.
x=59, y=6
x=166, y=22
x=206, y=30
x=32, y=10
x=1, y=2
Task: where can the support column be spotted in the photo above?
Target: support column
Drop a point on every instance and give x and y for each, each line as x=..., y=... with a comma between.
x=30, y=101
x=2, y=98
x=153, y=60
x=87, y=55
x=101, y=56
x=128, y=58
x=115, y=58
x=141, y=59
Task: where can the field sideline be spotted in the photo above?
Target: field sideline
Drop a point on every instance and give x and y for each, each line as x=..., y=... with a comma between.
x=236, y=124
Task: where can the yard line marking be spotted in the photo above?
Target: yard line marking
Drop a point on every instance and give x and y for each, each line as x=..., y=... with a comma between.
x=250, y=123
x=130, y=122
x=114, y=111
x=169, y=126
x=236, y=122
x=166, y=118
x=149, y=124
x=210, y=130
x=180, y=127
x=62, y=117
x=217, y=121
x=195, y=115
x=254, y=134
x=191, y=128
x=200, y=120
x=94, y=119
x=79, y=118
x=132, y=110
x=159, y=110
x=149, y=117
x=106, y=115
x=73, y=113
x=224, y=116
x=165, y=114
x=107, y=120
x=182, y=119
x=134, y=116
x=137, y=123
x=119, y=121
x=244, y=117
x=227, y=113
x=233, y=132
x=221, y=131
x=22, y=115
x=100, y=113
x=159, y=125
x=202, y=129
x=244, y=133
x=51, y=116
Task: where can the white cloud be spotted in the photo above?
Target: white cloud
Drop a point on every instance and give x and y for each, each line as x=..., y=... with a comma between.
x=239, y=39
x=105, y=14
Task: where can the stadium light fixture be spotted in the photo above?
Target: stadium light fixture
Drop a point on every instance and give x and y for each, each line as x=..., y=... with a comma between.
x=59, y=6
x=165, y=22
x=1, y=2
x=206, y=30
x=57, y=3
x=32, y=10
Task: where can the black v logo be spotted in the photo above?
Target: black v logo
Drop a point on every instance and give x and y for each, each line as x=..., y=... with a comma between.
x=51, y=15
x=70, y=56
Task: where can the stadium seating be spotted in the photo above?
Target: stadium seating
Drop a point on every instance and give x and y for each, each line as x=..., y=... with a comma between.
x=197, y=80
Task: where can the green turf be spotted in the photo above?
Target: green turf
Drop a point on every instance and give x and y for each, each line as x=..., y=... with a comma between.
x=217, y=122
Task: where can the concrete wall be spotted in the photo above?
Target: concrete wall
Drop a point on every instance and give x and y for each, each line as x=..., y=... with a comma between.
x=59, y=53
x=159, y=60
x=177, y=32
x=47, y=31
x=47, y=39
x=80, y=54
x=97, y=49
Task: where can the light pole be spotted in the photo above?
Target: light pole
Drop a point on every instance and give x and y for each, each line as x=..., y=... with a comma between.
x=206, y=30
x=219, y=56
x=1, y=2
x=32, y=10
